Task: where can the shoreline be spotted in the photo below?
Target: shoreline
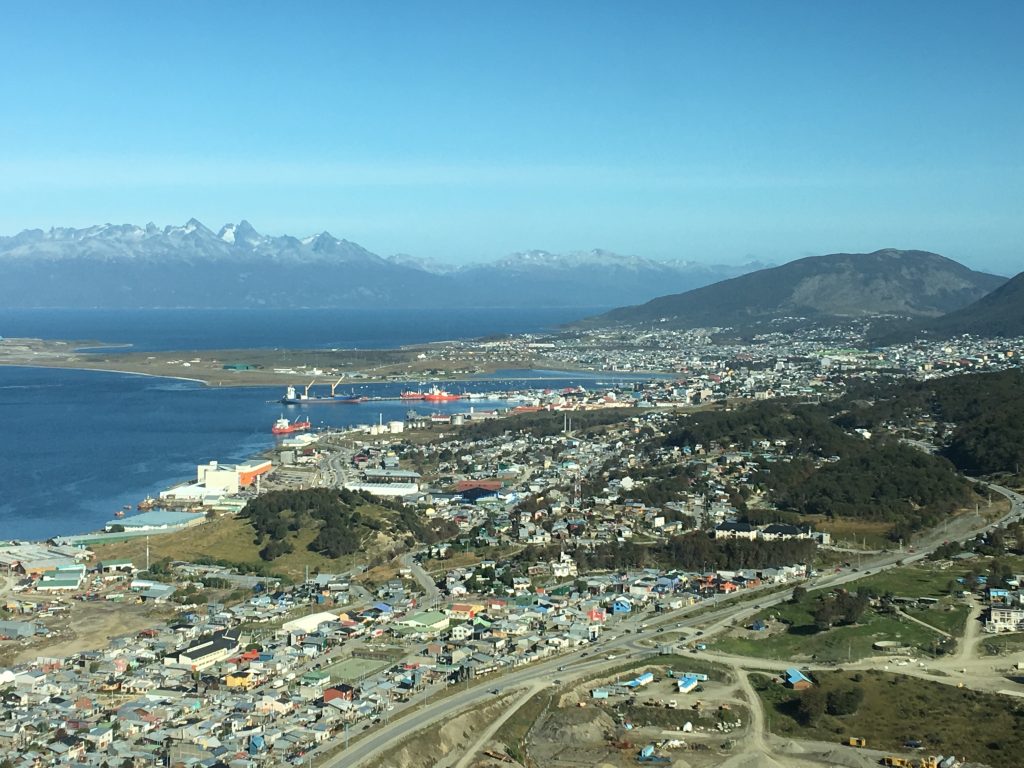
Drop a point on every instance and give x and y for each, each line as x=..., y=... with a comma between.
x=433, y=362
x=523, y=381
x=268, y=367
x=102, y=370
x=623, y=375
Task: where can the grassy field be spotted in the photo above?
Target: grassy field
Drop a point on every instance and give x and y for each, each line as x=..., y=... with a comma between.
x=231, y=540
x=839, y=644
x=870, y=533
x=801, y=640
x=911, y=581
x=999, y=645
x=950, y=619
x=352, y=670
x=986, y=728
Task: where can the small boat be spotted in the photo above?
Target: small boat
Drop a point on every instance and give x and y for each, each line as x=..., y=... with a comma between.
x=284, y=427
x=119, y=513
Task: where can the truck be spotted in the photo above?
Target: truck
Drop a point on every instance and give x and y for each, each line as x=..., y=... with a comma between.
x=900, y=762
x=856, y=741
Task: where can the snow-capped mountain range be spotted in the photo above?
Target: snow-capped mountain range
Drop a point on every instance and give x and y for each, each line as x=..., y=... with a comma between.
x=124, y=265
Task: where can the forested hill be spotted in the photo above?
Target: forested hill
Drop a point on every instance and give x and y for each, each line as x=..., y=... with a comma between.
x=978, y=418
x=907, y=283
x=344, y=522
x=820, y=468
x=1000, y=313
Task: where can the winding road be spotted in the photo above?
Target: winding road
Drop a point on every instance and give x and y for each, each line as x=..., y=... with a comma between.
x=640, y=643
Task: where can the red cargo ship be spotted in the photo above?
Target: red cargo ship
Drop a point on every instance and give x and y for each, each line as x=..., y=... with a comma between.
x=284, y=427
x=437, y=395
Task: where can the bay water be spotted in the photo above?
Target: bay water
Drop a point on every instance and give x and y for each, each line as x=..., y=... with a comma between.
x=76, y=446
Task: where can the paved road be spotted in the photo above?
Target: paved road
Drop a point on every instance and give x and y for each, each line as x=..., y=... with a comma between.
x=739, y=605
x=431, y=594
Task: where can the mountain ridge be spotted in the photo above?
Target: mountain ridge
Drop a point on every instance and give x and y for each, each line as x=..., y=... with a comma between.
x=840, y=285
x=999, y=313
x=191, y=265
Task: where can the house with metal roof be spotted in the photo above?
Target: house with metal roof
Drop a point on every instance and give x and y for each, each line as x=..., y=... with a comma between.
x=797, y=680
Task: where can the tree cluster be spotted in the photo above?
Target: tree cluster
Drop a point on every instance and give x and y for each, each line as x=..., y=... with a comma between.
x=825, y=469
x=815, y=702
x=981, y=416
x=885, y=481
x=277, y=514
x=696, y=551
x=839, y=608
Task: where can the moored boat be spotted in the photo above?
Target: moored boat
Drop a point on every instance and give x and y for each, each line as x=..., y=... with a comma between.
x=294, y=397
x=437, y=395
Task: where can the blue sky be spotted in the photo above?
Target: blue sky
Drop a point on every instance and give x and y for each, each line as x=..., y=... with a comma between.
x=712, y=131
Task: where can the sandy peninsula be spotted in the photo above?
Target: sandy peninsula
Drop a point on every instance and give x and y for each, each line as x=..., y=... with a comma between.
x=267, y=367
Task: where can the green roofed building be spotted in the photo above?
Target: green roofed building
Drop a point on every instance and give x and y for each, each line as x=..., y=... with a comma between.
x=427, y=621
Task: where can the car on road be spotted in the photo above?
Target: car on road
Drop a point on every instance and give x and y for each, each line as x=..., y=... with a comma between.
x=495, y=691
x=562, y=668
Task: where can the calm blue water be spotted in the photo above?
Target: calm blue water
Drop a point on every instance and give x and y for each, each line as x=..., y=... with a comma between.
x=78, y=445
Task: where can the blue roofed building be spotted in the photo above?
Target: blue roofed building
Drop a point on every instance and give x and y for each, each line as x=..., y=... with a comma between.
x=797, y=680
x=622, y=605
x=686, y=683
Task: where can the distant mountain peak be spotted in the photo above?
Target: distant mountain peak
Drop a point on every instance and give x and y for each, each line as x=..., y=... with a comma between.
x=188, y=265
x=192, y=226
x=325, y=237
x=227, y=233
x=241, y=233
